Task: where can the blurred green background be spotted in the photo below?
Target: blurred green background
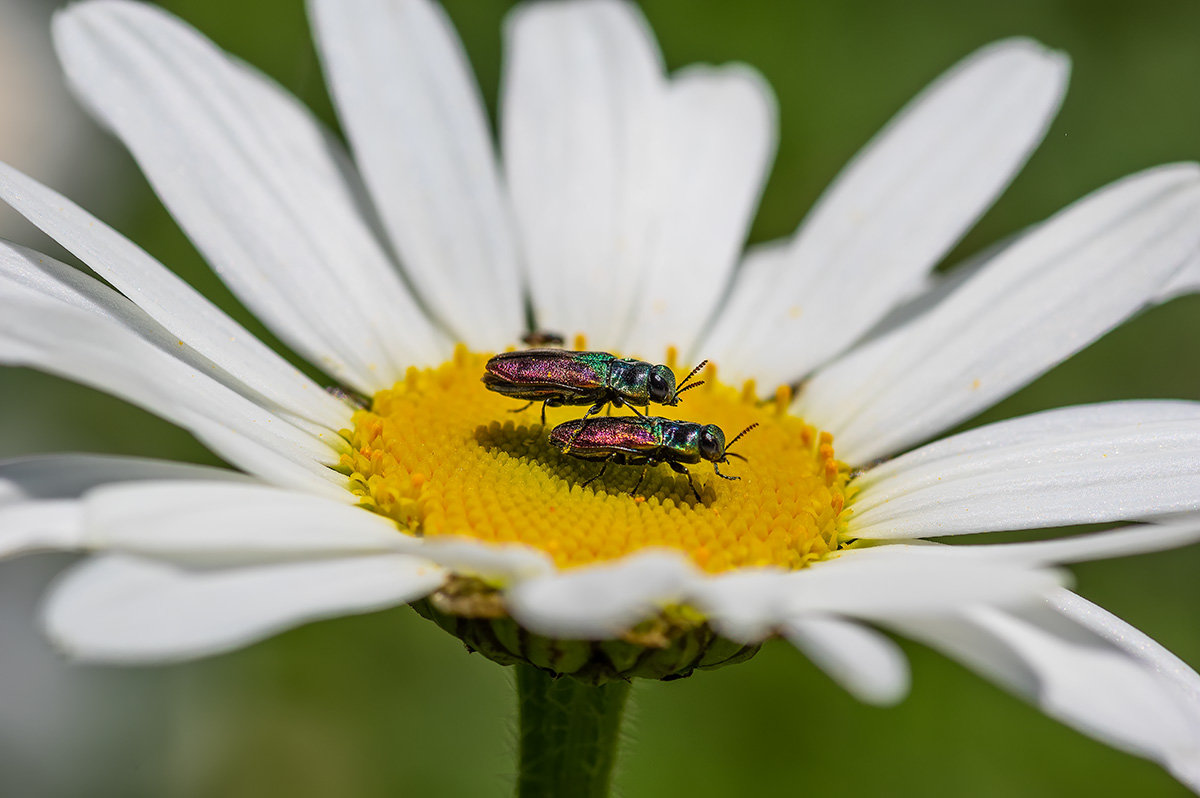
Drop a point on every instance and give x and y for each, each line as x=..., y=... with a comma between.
x=386, y=704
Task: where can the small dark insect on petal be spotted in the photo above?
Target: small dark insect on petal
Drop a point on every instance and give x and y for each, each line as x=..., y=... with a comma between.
x=355, y=400
x=542, y=338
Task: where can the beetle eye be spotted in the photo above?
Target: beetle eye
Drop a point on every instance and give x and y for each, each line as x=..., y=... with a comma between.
x=661, y=389
x=710, y=447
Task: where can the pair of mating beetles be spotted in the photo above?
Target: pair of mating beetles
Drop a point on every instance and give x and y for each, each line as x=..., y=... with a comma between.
x=557, y=377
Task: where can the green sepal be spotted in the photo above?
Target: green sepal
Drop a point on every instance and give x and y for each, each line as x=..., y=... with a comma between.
x=669, y=646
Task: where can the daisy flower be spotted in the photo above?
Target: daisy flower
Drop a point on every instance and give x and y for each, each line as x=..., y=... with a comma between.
x=615, y=215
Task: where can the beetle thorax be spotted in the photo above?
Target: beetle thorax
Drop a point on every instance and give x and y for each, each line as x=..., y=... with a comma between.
x=629, y=379
x=685, y=440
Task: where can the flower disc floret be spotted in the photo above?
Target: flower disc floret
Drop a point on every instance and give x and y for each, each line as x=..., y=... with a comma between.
x=442, y=455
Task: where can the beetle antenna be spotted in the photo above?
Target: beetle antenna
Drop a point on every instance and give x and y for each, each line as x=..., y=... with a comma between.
x=688, y=388
x=738, y=437
x=738, y=456
x=691, y=374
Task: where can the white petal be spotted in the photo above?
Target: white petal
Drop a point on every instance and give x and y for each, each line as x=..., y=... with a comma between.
x=1123, y=542
x=879, y=588
x=1186, y=281
x=956, y=637
x=583, y=112
x=413, y=114
x=745, y=605
x=89, y=348
x=127, y=610
x=1133, y=642
x=209, y=524
x=67, y=476
x=601, y=601
x=1035, y=427
x=748, y=605
x=894, y=212
x=265, y=460
x=259, y=186
x=499, y=562
x=868, y=664
x=39, y=510
x=23, y=271
x=168, y=300
x=937, y=287
x=1047, y=296
x=45, y=525
x=759, y=275
x=719, y=145
x=1089, y=464
x=1099, y=675
x=1183, y=683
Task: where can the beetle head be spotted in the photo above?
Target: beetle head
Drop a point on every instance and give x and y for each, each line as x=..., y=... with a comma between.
x=661, y=386
x=712, y=443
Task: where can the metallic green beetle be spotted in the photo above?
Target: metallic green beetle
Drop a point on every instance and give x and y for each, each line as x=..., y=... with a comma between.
x=558, y=377
x=646, y=441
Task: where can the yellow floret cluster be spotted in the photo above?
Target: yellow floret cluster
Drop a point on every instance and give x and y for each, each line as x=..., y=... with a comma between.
x=442, y=455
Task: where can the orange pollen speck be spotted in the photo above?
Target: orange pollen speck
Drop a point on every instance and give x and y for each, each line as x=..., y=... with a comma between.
x=442, y=455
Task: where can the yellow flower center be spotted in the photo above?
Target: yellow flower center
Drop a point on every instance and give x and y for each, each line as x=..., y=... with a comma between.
x=442, y=455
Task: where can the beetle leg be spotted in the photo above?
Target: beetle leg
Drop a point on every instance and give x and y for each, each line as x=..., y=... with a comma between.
x=525, y=407
x=645, y=468
x=603, y=468
x=717, y=468
x=636, y=412
x=593, y=410
x=678, y=469
x=551, y=401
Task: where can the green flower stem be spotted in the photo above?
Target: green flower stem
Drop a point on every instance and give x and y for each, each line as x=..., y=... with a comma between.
x=569, y=732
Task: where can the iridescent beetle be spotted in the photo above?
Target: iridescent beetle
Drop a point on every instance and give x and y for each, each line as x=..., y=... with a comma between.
x=558, y=377
x=646, y=441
